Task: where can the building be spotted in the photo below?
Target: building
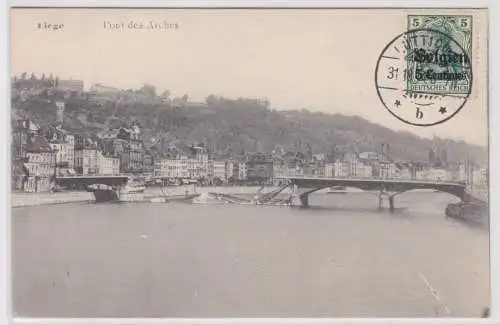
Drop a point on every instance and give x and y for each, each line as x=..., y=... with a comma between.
x=242, y=171
x=453, y=172
x=341, y=168
x=219, y=171
x=434, y=174
x=231, y=171
x=280, y=170
x=369, y=156
x=386, y=170
x=182, y=168
x=107, y=165
x=405, y=173
x=70, y=85
x=86, y=156
x=63, y=144
x=126, y=143
x=86, y=161
x=132, y=156
x=22, y=133
x=40, y=165
x=100, y=88
x=148, y=163
x=259, y=168
x=330, y=170
x=480, y=177
x=364, y=170
x=60, y=106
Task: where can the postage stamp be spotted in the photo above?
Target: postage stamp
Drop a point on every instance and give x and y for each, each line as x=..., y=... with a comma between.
x=456, y=32
x=428, y=69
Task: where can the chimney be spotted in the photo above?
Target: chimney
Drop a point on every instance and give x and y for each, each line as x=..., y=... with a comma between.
x=60, y=112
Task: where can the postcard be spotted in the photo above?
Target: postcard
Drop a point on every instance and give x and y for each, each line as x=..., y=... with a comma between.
x=223, y=162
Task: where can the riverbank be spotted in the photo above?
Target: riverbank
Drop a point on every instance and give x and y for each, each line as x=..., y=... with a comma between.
x=33, y=199
x=22, y=199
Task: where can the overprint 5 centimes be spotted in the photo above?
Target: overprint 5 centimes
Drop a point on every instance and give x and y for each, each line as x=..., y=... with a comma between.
x=245, y=163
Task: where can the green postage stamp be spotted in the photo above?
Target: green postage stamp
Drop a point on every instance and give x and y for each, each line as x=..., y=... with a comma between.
x=451, y=53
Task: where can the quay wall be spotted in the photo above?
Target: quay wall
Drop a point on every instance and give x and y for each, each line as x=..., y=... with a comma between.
x=21, y=199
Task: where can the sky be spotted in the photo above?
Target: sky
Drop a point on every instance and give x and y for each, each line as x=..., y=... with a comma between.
x=321, y=60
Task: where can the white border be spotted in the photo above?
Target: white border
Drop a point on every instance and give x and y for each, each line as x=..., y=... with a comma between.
x=494, y=119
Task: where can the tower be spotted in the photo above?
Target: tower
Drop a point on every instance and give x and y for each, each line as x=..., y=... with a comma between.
x=60, y=112
x=431, y=157
x=444, y=157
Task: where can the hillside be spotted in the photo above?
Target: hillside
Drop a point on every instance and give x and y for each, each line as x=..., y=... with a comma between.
x=235, y=127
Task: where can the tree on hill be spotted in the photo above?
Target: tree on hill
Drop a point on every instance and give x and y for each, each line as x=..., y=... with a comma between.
x=148, y=89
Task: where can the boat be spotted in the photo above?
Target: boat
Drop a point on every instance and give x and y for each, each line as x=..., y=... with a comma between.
x=134, y=187
x=337, y=190
x=107, y=193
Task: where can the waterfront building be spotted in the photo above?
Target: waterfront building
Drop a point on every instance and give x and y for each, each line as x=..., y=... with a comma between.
x=63, y=143
x=219, y=170
x=135, y=149
x=330, y=170
x=107, y=165
x=357, y=168
x=148, y=162
x=365, y=171
x=405, y=173
x=387, y=170
x=231, y=170
x=280, y=169
x=22, y=132
x=182, y=167
x=435, y=174
x=318, y=169
x=86, y=161
x=480, y=177
x=341, y=168
x=126, y=143
x=39, y=165
x=242, y=171
x=86, y=157
x=420, y=174
x=259, y=168
x=453, y=172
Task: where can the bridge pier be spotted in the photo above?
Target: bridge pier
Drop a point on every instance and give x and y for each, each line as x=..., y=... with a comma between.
x=391, y=202
x=380, y=200
x=304, y=201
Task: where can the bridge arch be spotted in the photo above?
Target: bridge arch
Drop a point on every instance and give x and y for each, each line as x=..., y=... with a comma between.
x=385, y=185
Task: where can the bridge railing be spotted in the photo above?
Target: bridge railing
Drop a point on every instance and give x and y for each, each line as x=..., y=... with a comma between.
x=94, y=176
x=402, y=179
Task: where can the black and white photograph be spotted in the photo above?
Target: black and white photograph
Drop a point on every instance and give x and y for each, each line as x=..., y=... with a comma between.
x=249, y=163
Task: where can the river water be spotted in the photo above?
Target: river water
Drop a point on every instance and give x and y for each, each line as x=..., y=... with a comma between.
x=342, y=257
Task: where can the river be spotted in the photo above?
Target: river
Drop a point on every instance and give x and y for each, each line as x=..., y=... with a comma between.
x=342, y=257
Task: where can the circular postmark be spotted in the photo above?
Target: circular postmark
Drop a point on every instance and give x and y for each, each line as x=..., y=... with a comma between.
x=423, y=77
